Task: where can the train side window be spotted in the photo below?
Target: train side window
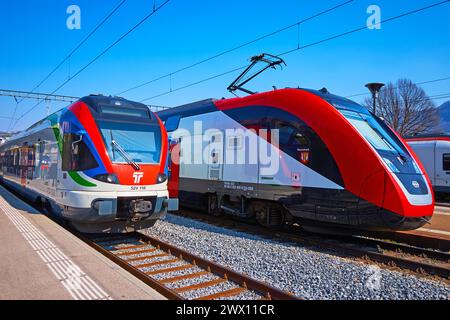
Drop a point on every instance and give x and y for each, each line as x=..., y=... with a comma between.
x=294, y=142
x=292, y=137
x=172, y=123
x=235, y=142
x=76, y=154
x=86, y=159
x=285, y=134
x=446, y=161
x=67, y=153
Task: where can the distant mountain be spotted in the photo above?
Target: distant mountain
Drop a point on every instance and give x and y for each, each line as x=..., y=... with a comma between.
x=444, y=117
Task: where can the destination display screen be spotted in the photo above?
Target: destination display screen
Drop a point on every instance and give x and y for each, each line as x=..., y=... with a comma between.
x=120, y=111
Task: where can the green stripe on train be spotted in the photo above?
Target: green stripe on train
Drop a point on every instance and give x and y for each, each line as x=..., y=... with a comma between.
x=80, y=180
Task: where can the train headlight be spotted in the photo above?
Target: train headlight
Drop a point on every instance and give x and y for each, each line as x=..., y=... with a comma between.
x=391, y=166
x=161, y=178
x=108, y=178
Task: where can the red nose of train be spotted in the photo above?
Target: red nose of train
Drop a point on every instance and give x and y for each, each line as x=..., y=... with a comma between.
x=408, y=198
x=377, y=166
x=398, y=207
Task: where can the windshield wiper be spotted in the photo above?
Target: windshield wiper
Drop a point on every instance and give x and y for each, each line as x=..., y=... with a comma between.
x=125, y=154
x=382, y=137
x=393, y=147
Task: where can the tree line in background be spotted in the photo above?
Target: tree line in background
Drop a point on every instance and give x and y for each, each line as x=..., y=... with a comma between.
x=406, y=108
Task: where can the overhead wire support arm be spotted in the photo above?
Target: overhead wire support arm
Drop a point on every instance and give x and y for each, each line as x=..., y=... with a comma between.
x=36, y=96
x=272, y=61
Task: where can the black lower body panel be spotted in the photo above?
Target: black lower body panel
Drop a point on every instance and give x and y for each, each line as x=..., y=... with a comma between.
x=331, y=208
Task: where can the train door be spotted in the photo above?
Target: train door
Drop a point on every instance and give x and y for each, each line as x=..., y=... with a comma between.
x=215, y=157
x=23, y=159
x=26, y=159
x=240, y=158
x=31, y=154
x=442, y=165
x=174, y=167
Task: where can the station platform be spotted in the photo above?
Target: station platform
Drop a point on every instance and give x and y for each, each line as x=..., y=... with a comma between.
x=439, y=226
x=41, y=260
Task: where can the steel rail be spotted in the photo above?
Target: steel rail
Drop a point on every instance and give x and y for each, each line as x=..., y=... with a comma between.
x=377, y=250
x=137, y=240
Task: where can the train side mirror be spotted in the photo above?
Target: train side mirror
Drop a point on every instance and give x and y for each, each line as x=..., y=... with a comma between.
x=76, y=140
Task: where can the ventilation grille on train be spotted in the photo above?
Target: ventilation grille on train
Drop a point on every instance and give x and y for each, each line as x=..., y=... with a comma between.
x=214, y=174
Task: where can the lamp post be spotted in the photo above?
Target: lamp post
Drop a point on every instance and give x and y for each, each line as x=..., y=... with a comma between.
x=374, y=88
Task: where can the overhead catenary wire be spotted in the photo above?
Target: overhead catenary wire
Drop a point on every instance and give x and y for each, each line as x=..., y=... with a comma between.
x=297, y=25
x=72, y=52
x=154, y=11
x=302, y=47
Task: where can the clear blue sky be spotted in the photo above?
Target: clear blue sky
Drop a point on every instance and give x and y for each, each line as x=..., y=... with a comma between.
x=34, y=38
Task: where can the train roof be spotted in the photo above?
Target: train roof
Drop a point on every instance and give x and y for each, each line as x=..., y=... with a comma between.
x=96, y=101
x=429, y=137
x=190, y=109
x=325, y=94
x=207, y=105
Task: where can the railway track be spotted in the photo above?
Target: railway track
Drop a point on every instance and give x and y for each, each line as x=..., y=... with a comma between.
x=393, y=254
x=172, y=267
x=178, y=274
x=413, y=238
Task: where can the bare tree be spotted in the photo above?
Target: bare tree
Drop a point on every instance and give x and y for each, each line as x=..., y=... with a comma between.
x=406, y=108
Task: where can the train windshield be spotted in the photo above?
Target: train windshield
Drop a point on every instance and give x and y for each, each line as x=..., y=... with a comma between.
x=361, y=123
x=139, y=142
x=373, y=131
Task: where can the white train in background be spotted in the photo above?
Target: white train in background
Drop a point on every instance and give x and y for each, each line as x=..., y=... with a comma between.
x=434, y=153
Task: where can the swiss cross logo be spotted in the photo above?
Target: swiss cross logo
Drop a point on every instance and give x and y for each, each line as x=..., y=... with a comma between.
x=138, y=176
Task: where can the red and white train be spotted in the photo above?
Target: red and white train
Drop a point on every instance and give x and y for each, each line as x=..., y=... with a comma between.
x=338, y=164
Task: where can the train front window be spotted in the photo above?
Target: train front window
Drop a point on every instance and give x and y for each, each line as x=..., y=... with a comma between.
x=364, y=124
x=372, y=127
x=140, y=142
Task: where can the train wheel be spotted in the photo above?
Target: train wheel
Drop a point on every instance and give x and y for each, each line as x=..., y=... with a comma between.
x=213, y=205
x=267, y=214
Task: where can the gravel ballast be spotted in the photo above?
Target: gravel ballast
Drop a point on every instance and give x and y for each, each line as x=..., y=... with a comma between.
x=307, y=273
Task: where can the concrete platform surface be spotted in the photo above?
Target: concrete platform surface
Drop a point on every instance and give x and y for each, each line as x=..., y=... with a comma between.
x=439, y=225
x=41, y=260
